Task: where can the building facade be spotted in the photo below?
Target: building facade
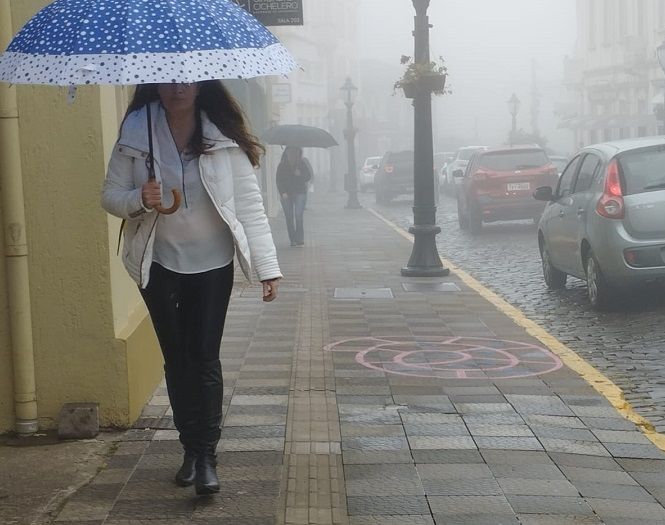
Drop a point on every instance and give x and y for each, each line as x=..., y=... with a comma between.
x=615, y=84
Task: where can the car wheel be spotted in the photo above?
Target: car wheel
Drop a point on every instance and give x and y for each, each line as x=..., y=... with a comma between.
x=554, y=279
x=462, y=219
x=598, y=289
x=475, y=219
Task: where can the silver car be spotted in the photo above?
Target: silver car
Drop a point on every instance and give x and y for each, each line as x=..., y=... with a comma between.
x=605, y=221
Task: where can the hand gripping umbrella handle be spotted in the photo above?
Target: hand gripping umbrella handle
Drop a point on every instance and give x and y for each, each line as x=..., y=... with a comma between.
x=151, y=170
x=177, y=198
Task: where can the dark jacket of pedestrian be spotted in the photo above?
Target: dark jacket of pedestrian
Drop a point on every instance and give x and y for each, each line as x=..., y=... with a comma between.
x=293, y=178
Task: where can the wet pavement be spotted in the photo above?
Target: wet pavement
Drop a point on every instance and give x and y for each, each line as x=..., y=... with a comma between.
x=627, y=344
x=354, y=401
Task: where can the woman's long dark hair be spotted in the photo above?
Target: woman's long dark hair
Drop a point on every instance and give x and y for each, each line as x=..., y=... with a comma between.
x=222, y=110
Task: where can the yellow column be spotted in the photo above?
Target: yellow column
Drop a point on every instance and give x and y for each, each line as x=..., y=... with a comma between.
x=16, y=248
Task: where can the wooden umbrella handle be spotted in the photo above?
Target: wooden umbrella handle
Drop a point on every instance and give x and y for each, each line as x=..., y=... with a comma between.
x=177, y=198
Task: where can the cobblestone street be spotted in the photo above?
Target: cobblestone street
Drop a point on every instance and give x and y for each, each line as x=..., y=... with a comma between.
x=626, y=344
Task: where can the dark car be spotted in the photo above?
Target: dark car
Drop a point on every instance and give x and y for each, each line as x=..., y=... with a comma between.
x=394, y=176
x=498, y=185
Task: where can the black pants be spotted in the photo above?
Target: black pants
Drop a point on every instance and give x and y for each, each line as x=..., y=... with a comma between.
x=188, y=312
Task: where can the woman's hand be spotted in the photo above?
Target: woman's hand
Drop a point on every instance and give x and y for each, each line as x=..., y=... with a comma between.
x=151, y=194
x=270, y=289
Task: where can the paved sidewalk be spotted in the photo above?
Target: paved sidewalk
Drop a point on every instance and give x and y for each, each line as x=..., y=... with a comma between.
x=417, y=402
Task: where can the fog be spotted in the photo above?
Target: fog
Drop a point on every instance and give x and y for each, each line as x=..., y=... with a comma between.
x=489, y=48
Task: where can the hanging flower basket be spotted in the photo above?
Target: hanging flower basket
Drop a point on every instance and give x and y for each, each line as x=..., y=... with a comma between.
x=431, y=77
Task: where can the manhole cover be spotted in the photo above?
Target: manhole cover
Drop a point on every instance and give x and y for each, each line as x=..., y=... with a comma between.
x=431, y=287
x=363, y=293
x=450, y=357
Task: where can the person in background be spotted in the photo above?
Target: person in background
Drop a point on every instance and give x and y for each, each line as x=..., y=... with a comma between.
x=293, y=175
x=183, y=263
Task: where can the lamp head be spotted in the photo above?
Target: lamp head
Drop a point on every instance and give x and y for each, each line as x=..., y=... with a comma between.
x=349, y=91
x=514, y=104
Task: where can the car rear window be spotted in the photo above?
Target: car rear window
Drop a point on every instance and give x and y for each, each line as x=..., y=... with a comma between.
x=644, y=170
x=401, y=157
x=466, y=154
x=514, y=160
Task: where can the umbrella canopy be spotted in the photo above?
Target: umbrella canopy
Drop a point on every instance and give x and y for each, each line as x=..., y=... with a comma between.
x=72, y=42
x=299, y=136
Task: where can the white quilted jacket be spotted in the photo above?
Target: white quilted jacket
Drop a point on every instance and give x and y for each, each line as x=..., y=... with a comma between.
x=226, y=174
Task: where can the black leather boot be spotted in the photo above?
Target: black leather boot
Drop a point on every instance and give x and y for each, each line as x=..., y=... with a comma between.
x=206, y=480
x=187, y=473
x=211, y=390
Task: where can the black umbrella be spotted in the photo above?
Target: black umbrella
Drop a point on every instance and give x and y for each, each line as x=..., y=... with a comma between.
x=299, y=136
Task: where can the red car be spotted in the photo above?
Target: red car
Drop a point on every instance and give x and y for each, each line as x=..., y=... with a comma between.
x=498, y=185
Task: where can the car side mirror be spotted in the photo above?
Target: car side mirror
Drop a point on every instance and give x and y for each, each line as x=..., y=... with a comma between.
x=544, y=193
x=458, y=174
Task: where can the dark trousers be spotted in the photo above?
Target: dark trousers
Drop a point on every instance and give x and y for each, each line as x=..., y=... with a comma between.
x=188, y=312
x=294, y=209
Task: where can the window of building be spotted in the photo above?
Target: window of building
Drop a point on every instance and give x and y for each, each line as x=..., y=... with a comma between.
x=640, y=13
x=624, y=133
x=607, y=134
x=623, y=18
x=593, y=136
x=642, y=131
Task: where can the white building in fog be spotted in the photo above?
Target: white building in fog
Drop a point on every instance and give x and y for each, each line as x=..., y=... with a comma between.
x=615, y=83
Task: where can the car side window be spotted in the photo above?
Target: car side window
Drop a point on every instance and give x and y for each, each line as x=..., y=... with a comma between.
x=588, y=169
x=567, y=177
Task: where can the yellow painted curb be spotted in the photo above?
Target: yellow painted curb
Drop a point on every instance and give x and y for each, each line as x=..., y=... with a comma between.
x=595, y=378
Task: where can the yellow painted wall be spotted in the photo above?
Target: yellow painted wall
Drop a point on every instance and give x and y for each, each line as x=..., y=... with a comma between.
x=92, y=339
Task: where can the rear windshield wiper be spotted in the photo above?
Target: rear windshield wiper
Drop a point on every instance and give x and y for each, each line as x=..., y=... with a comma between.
x=660, y=185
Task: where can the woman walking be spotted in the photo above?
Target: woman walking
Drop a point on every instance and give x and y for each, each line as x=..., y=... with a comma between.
x=183, y=263
x=293, y=175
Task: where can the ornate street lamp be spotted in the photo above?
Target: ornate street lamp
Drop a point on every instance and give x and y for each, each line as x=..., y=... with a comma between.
x=425, y=260
x=514, y=105
x=661, y=59
x=349, y=92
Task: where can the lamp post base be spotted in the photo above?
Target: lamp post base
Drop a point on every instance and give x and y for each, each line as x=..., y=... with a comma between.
x=425, y=260
x=353, y=203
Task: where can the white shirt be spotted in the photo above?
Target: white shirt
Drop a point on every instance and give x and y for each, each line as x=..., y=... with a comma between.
x=195, y=238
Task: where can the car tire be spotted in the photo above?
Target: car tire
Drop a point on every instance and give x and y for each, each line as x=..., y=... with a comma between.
x=462, y=219
x=474, y=218
x=554, y=279
x=599, y=291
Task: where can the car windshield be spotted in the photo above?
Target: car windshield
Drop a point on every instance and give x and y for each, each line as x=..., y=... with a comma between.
x=514, y=160
x=644, y=170
x=466, y=154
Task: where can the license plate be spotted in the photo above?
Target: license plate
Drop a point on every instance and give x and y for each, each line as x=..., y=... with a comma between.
x=519, y=186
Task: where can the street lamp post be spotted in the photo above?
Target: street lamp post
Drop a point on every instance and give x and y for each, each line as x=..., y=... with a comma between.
x=425, y=260
x=351, y=182
x=661, y=59
x=514, y=104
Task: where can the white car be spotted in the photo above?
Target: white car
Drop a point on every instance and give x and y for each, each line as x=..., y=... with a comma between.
x=367, y=172
x=461, y=160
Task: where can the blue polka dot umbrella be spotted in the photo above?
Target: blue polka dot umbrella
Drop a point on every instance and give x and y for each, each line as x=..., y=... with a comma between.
x=76, y=42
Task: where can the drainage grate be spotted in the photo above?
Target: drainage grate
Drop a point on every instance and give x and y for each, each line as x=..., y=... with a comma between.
x=363, y=293
x=431, y=287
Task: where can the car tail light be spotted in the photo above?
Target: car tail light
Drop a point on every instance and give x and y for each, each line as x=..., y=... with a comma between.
x=610, y=205
x=388, y=168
